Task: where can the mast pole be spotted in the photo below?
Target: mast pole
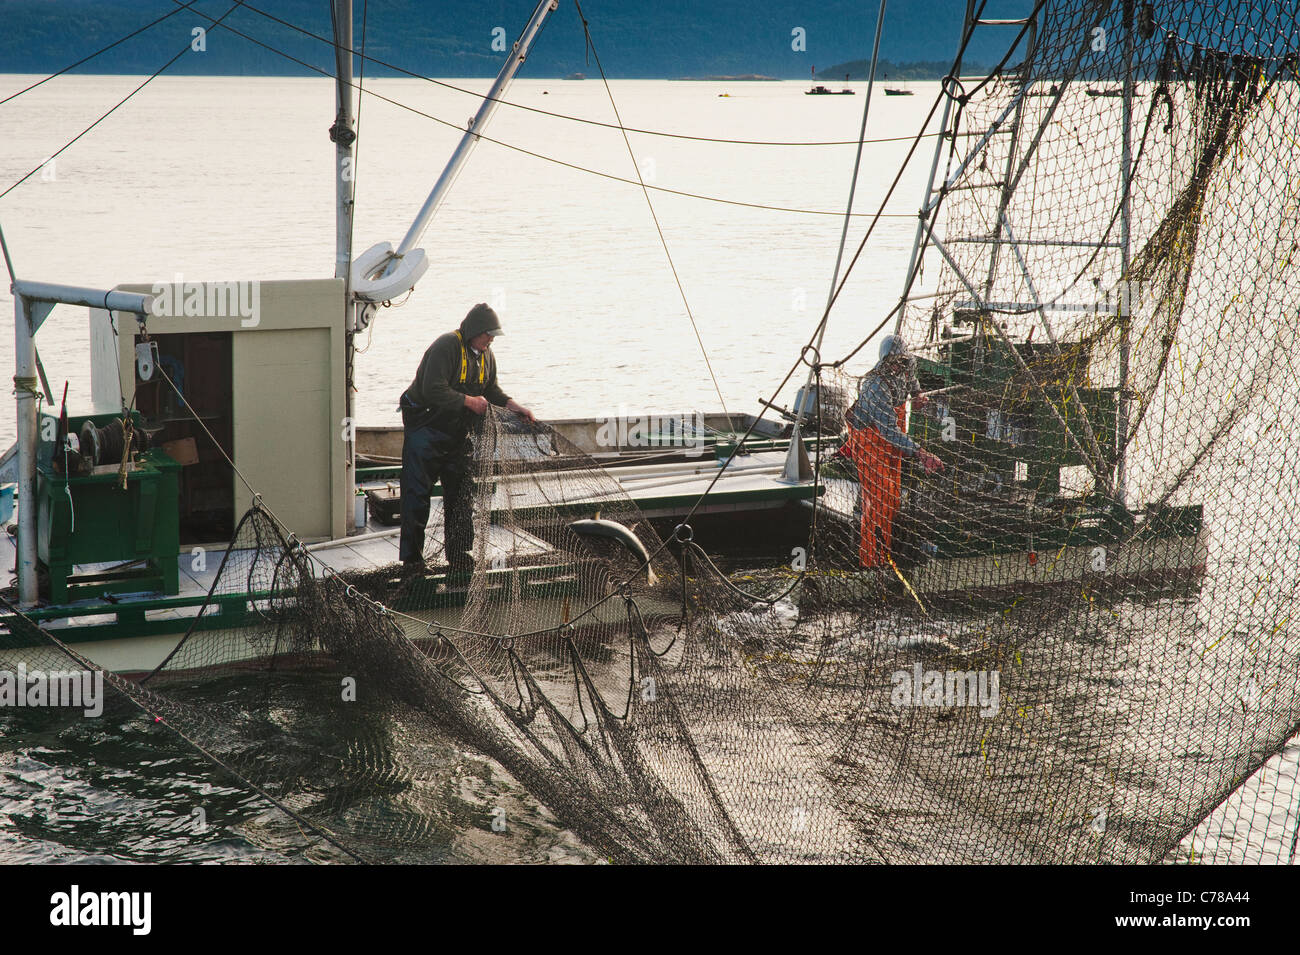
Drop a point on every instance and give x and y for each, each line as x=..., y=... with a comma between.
x=792, y=472
x=1125, y=296
x=475, y=127
x=344, y=135
x=926, y=205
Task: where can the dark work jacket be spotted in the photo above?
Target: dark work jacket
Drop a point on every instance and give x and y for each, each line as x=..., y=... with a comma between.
x=436, y=396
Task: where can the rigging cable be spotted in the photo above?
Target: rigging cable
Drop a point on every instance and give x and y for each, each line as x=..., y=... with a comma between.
x=663, y=241
x=820, y=336
x=149, y=79
x=968, y=33
x=930, y=213
x=536, y=155
x=565, y=116
x=85, y=59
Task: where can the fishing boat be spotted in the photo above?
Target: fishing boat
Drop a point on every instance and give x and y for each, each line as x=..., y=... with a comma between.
x=896, y=90
x=820, y=90
x=126, y=515
x=126, y=574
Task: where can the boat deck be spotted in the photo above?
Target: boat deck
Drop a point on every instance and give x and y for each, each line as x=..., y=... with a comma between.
x=661, y=491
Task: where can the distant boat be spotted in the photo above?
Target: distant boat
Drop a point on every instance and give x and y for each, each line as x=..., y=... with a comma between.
x=576, y=76
x=826, y=91
x=896, y=90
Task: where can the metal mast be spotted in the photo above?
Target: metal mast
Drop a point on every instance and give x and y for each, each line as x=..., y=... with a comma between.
x=344, y=135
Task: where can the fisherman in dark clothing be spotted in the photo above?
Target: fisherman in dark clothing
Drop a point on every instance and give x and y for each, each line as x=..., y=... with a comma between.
x=457, y=378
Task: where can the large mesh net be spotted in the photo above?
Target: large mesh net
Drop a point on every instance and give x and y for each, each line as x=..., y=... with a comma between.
x=1074, y=642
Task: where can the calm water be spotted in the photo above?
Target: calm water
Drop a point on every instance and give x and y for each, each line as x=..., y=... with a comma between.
x=232, y=178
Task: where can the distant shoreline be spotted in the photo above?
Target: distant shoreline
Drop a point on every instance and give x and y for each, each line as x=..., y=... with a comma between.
x=741, y=78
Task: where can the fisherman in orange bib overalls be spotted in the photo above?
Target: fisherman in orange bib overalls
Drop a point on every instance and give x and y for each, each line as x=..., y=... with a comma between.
x=878, y=442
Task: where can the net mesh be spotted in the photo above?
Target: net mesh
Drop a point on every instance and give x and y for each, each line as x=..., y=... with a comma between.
x=1074, y=643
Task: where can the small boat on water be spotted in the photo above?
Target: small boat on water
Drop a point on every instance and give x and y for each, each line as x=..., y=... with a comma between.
x=133, y=571
x=820, y=90
x=896, y=90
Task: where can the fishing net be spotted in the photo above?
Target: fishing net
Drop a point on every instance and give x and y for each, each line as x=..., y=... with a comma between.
x=1074, y=643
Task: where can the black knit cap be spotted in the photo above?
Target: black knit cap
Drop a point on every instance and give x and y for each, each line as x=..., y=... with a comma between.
x=481, y=318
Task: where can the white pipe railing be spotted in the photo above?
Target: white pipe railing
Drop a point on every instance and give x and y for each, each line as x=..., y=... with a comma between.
x=32, y=303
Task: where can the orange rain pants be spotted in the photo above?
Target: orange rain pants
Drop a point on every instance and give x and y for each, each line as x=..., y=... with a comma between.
x=880, y=470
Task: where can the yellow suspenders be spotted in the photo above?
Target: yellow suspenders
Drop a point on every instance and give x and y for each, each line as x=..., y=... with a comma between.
x=464, y=362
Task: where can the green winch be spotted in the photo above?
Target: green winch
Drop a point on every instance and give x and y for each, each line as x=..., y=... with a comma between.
x=111, y=501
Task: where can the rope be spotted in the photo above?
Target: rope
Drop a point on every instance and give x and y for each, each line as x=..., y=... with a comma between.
x=536, y=155
x=114, y=108
x=586, y=29
x=857, y=158
x=85, y=59
x=848, y=271
x=574, y=119
x=931, y=213
x=257, y=497
x=120, y=685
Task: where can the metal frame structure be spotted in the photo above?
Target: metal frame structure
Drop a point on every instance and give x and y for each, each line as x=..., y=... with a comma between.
x=33, y=302
x=1010, y=122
